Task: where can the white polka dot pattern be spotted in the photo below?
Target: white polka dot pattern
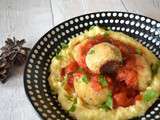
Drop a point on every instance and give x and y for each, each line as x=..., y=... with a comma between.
x=35, y=78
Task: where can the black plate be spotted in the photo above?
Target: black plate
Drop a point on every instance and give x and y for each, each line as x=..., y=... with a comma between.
x=144, y=29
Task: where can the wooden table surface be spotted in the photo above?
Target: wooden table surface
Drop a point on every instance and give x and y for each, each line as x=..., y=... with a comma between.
x=30, y=19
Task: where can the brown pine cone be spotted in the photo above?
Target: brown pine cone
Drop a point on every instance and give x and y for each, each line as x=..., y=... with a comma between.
x=12, y=53
x=4, y=69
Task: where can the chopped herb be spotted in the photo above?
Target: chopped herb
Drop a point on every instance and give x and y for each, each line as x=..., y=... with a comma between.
x=64, y=80
x=69, y=97
x=85, y=79
x=104, y=106
x=155, y=67
x=108, y=104
x=91, y=27
x=106, y=33
x=149, y=95
x=73, y=107
x=58, y=56
x=110, y=94
x=64, y=45
x=92, y=51
x=103, y=81
x=138, y=51
x=80, y=69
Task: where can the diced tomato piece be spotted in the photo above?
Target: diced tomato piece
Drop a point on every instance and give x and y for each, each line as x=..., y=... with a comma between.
x=131, y=92
x=62, y=72
x=138, y=97
x=131, y=62
x=95, y=84
x=122, y=100
x=88, y=45
x=129, y=76
x=70, y=81
x=124, y=49
x=69, y=85
x=81, y=56
x=82, y=62
x=128, y=73
x=78, y=75
x=71, y=67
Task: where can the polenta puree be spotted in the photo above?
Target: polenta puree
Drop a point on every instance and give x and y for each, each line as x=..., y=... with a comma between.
x=105, y=75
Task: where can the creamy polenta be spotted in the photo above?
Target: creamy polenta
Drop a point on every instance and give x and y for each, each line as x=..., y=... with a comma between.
x=105, y=75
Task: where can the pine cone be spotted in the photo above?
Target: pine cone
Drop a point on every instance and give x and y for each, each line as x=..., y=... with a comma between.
x=12, y=53
x=4, y=70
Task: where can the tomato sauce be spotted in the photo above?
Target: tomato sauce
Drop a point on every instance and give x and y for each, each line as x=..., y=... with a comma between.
x=71, y=67
x=69, y=84
x=123, y=83
x=83, y=49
